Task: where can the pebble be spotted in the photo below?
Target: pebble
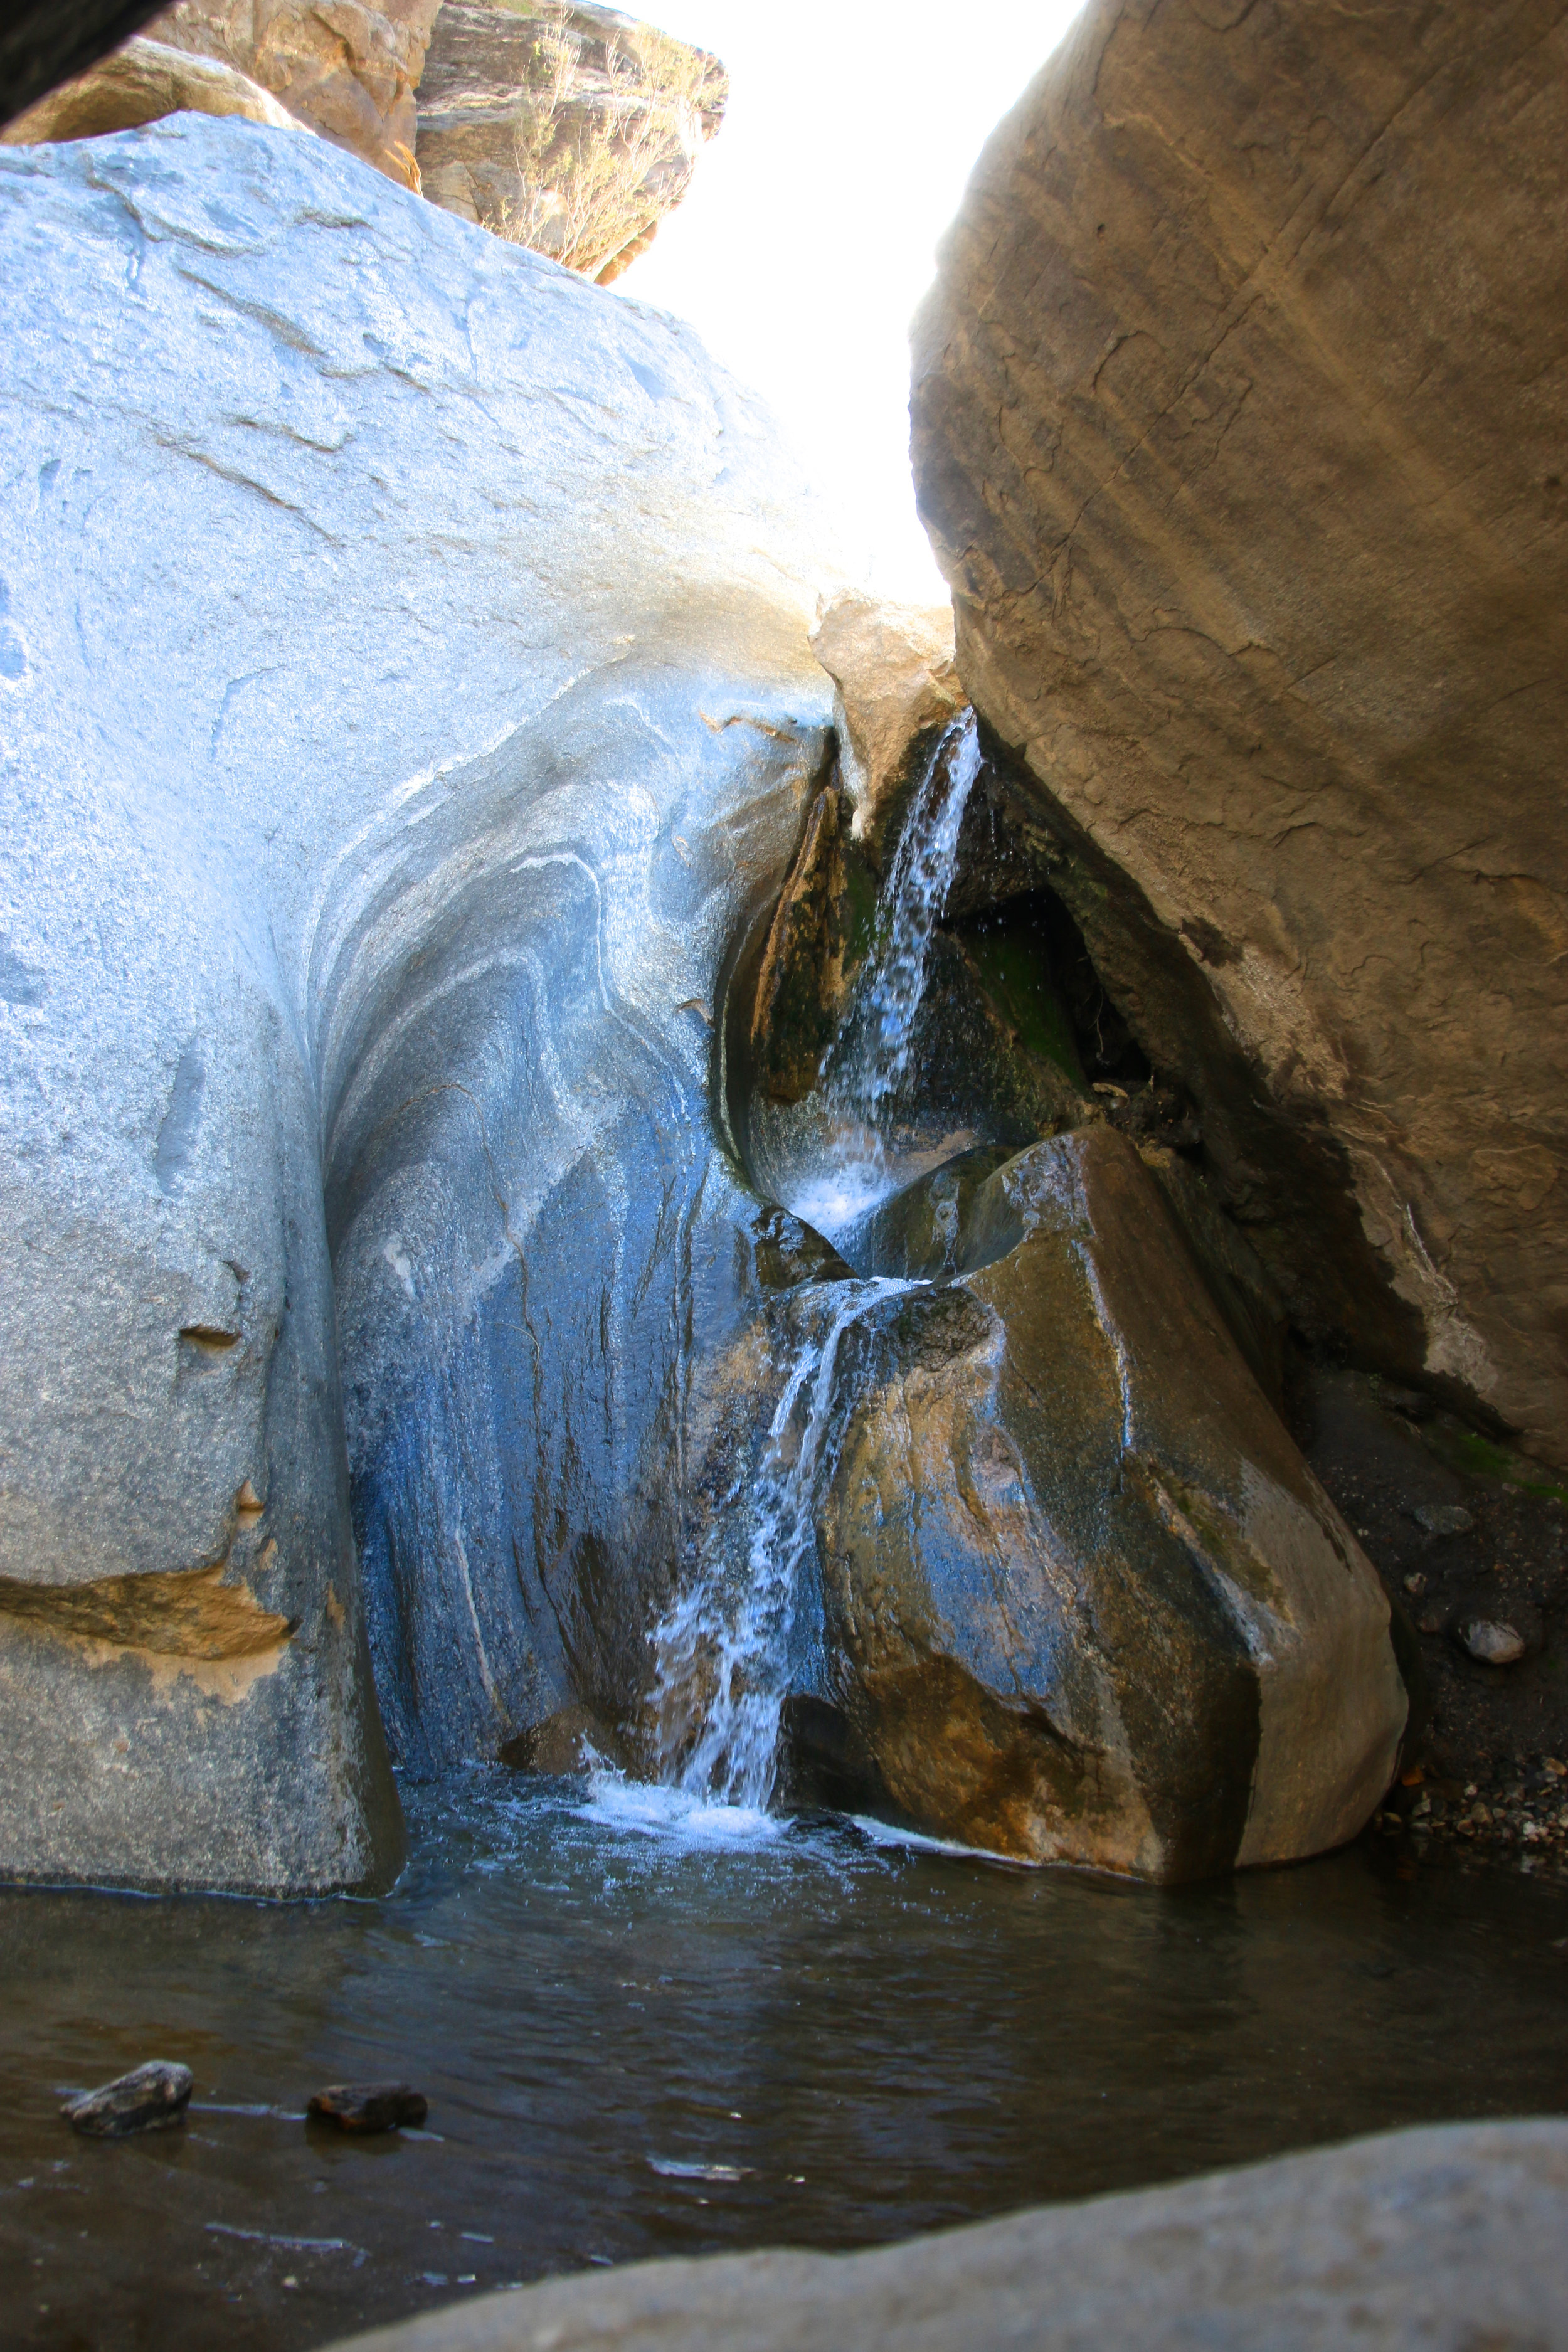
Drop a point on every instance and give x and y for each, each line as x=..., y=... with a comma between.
x=1442, y=1518
x=1493, y=1644
x=150, y=2098
x=369, y=2107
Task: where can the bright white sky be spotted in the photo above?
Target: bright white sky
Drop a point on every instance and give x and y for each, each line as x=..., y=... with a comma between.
x=809, y=234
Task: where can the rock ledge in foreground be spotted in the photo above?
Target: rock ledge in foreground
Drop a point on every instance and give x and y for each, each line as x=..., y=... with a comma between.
x=1442, y=2238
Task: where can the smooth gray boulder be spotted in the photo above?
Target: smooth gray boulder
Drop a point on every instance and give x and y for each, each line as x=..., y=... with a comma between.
x=1443, y=2239
x=405, y=696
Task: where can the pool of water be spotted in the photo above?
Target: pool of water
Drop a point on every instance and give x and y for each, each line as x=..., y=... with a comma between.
x=644, y=2028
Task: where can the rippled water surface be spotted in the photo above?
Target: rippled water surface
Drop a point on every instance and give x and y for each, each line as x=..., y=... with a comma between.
x=646, y=2027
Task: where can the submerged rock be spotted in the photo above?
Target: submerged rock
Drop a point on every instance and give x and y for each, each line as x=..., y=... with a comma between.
x=384, y=784
x=1083, y=1601
x=369, y=2107
x=1250, y=490
x=150, y=2098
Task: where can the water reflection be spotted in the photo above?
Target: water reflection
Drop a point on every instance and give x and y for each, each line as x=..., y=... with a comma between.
x=646, y=2025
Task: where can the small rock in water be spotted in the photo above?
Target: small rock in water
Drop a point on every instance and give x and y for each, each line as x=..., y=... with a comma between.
x=369, y=2107
x=1442, y=1518
x=1493, y=1644
x=150, y=2098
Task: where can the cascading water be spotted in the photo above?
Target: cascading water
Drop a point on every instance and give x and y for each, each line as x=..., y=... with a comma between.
x=868, y=1064
x=723, y=1653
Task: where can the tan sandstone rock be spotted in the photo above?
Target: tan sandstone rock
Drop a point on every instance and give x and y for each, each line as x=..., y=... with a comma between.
x=570, y=129
x=140, y=83
x=1439, y=2240
x=347, y=70
x=897, y=684
x=1238, y=424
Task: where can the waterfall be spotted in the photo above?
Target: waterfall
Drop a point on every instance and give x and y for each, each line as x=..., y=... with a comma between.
x=871, y=1055
x=869, y=1060
x=723, y=1652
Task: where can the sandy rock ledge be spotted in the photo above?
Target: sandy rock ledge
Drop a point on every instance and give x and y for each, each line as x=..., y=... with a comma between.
x=1445, y=2238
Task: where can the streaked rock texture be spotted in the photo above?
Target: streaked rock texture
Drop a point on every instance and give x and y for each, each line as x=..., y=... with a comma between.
x=1238, y=424
x=140, y=83
x=569, y=128
x=1073, y=1594
x=347, y=69
x=1084, y=1602
x=1432, y=2241
x=381, y=790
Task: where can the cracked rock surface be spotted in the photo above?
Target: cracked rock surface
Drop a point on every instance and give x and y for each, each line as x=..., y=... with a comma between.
x=1251, y=490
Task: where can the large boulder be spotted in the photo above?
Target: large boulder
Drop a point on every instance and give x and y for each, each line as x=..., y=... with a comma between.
x=1083, y=1601
x=1437, y=2240
x=570, y=128
x=348, y=71
x=383, y=782
x=142, y=83
x=1238, y=424
x=895, y=688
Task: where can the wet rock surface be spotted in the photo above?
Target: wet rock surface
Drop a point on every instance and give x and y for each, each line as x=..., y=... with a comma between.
x=152, y=2097
x=368, y=2108
x=1266, y=600
x=359, y=1180
x=1083, y=1601
x=1080, y=1599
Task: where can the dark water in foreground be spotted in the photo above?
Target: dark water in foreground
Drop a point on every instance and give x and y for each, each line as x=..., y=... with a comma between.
x=643, y=2035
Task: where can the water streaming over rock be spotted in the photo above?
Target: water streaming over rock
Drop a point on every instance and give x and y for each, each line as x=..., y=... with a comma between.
x=870, y=1059
x=868, y=1063
x=723, y=1652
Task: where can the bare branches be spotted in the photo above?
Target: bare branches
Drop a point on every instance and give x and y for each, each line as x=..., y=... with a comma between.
x=606, y=139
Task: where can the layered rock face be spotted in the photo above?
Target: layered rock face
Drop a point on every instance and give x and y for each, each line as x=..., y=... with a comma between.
x=349, y=71
x=571, y=129
x=383, y=789
x=1238, y=424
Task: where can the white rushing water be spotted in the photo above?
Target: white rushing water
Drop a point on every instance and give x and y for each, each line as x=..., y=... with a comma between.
x=723, y=1651
x=869, y=1060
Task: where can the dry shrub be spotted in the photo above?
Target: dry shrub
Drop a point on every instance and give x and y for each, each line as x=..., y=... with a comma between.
x=603, y=153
